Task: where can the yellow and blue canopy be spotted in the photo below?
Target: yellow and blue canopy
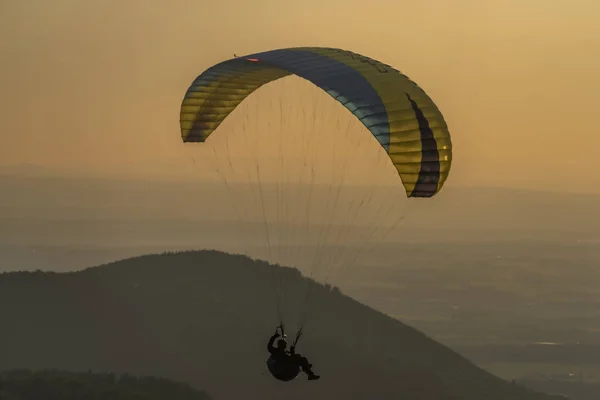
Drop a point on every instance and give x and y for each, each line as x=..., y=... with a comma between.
x=398, y=113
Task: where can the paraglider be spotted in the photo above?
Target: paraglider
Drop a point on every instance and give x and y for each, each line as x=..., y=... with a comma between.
x=395, y=110
x=285, y=365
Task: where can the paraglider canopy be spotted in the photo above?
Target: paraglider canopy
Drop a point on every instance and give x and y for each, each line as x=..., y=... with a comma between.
x=399, y=114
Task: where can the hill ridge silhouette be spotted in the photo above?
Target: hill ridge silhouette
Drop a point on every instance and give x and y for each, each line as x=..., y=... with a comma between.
x=204, y=317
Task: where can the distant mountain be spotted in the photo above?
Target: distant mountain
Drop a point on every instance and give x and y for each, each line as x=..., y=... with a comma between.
x=205, y=317
x=68, y=223
x=455, y=208
x=61, y=385
x=27, y=171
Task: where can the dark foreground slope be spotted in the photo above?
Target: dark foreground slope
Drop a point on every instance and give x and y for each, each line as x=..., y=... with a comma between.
x=204, y=318
x=61, y=385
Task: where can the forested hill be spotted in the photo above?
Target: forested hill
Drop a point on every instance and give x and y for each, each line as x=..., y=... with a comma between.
x=62, y=385
x=204, y=318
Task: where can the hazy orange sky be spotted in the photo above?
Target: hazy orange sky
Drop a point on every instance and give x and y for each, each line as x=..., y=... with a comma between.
x=95, y=86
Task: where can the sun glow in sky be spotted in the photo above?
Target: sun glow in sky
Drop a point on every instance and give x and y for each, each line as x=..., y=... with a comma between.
x=95, y=86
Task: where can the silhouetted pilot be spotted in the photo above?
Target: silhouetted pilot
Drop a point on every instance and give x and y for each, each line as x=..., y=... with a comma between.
x=285, y=365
